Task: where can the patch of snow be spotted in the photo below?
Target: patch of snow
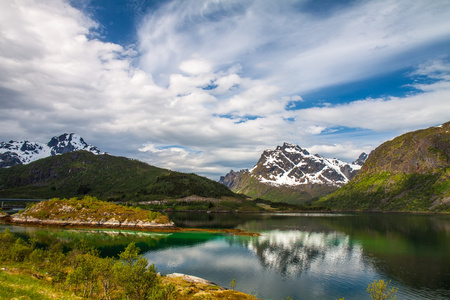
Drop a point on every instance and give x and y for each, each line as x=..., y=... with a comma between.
x=28, y=152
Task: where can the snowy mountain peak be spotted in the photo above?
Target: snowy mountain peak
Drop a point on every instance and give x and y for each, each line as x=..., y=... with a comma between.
x=291, y=165
x=24, y=152
x=69, y=143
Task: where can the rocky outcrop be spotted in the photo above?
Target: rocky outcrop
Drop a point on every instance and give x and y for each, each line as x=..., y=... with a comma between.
x=105, y=223
x=422, y=151
x=90, y=212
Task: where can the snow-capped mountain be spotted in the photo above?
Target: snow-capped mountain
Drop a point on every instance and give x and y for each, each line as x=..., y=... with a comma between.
x=24, y=152
x=292, y=167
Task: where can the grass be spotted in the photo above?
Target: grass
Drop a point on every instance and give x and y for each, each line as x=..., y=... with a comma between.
x=392, y=192
x=20, y=284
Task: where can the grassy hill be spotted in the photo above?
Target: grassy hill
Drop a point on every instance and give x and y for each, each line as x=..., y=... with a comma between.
x=408, y=173
x=106, y=177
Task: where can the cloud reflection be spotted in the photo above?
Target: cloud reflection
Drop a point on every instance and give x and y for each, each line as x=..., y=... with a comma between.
x=292, y=252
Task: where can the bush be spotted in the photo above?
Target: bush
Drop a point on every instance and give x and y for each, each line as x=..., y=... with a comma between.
x=378, y=290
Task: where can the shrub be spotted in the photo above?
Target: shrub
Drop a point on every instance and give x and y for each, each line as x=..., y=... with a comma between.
x=378, y=290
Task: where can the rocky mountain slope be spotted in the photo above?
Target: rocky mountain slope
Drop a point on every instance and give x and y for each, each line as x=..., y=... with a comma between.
x=291, y=174
x=24, y=152
x=408, y=173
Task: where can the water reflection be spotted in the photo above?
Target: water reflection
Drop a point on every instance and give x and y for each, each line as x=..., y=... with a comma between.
x=301, y=256
x=292, y=252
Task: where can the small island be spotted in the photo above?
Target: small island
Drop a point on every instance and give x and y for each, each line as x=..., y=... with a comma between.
x=91, y=212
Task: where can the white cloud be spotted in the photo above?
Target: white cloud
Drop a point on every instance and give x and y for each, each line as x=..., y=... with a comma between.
x=214, y=78
x=347, y=151
x=428, y=108
x=195, y=66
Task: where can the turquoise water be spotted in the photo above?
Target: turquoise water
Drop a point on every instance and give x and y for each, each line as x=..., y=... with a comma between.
x=303, y=256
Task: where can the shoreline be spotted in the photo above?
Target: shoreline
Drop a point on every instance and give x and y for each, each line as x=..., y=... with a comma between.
x=304, y=212
x=163, y=229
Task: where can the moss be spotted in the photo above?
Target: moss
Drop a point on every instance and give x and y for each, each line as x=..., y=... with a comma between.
x=91, y=209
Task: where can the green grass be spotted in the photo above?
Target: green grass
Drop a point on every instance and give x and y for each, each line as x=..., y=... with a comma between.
x=392, y=192
x=22, y=286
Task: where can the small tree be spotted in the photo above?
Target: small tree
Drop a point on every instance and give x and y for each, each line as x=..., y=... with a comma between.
x=134, y=275
x=55, y=261
x=233, y=283
x=378, y=290
x=106, y=276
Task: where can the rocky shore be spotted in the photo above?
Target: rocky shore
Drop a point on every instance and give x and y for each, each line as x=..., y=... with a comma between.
x=104, y=223
x=90, y=212
x=3, y=215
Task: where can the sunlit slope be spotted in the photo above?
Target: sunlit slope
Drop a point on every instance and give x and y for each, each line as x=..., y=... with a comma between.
x=408, y=173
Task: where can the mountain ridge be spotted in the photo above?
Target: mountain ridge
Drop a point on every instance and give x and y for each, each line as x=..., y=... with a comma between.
x=408, y=173
x=24, y=152
x=293, y=172
x=104, y=176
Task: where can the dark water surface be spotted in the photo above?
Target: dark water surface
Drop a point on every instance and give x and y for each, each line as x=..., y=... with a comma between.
x=303, y=256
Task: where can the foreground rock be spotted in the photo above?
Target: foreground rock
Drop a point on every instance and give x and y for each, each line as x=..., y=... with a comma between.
x=192, y=287
x=91, y=212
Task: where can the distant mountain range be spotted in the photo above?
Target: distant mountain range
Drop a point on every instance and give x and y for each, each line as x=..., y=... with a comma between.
x=24, y=152
x=292, y=174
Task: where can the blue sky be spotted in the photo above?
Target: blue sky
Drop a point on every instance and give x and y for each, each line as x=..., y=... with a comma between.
x=205, y=86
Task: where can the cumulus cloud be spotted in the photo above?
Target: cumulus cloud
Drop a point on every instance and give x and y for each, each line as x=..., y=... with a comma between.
x=383, y=114
x=210, y=84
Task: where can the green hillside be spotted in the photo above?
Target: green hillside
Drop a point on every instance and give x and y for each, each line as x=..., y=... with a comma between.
x=409, y=173
x=252, y=187
x=103, y=176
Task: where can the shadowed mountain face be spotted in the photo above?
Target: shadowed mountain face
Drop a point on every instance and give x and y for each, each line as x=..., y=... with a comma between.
x=105, y=176
x=408, y=173
x=292, y=173
x=24, y=152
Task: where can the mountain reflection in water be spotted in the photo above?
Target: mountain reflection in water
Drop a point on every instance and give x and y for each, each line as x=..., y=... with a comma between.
x=303, y=256
x=292, y=252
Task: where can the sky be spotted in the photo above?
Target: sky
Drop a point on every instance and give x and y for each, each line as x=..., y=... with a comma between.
x=204, y=86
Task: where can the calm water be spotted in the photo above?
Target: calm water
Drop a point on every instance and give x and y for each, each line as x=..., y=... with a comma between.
x=303, y=256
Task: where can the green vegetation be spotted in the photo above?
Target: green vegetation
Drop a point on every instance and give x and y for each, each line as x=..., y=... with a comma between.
x=393, y=192
x=410, y=173
x=106, y=177
x=82, y=271
x=90, y=209
x=378, y=290
x=239, y=203
x=29, y=272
